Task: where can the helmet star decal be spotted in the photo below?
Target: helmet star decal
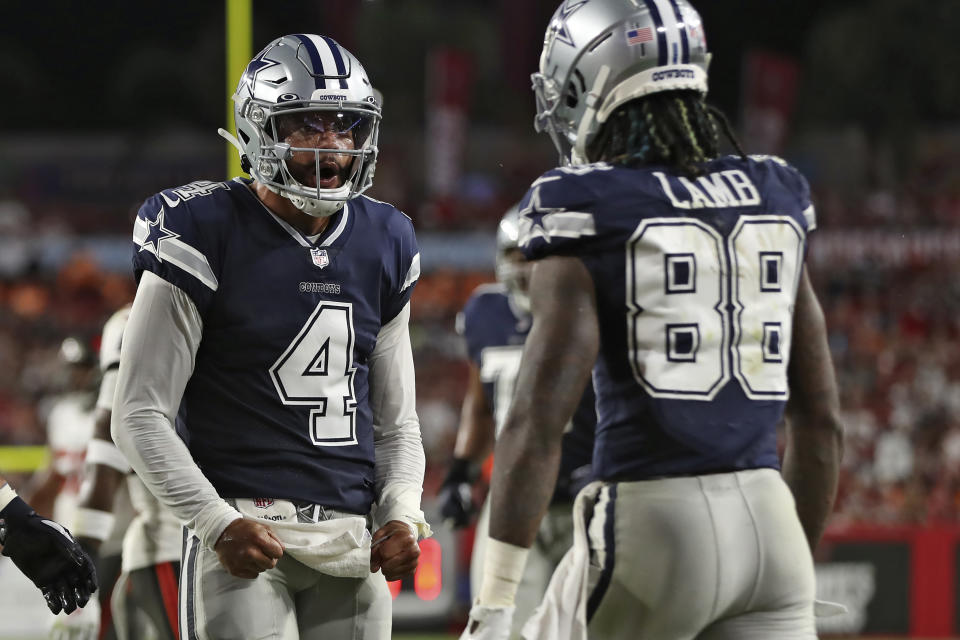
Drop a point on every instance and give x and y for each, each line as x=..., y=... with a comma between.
x=258, y=64
x=560, y=28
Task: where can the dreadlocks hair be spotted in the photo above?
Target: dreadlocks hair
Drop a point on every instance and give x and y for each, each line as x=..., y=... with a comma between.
x=676, y=128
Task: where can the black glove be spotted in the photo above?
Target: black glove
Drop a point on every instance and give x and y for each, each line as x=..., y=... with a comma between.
x=456, y=495
x=47, y=554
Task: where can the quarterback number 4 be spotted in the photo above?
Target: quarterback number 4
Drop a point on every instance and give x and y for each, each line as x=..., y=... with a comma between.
x=317, y=370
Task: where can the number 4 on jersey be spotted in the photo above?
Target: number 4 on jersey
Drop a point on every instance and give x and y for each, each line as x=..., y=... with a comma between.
x=317, y=370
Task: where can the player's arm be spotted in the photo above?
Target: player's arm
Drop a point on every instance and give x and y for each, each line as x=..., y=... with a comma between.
x=43, y=488
x=106, y=467
x=46, y=553
x=398, y=449
x=160, y=343
x=815, y=435
x=106, y=470
x=475, y=437
x=557, y=360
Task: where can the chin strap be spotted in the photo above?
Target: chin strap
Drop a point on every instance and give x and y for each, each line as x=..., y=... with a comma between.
x=232, y=139
x=313, y=207
x=586, y=122
x=229, y=137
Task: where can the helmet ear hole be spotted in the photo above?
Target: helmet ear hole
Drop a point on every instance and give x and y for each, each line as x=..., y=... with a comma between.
x=573, y=92
x=570, y=97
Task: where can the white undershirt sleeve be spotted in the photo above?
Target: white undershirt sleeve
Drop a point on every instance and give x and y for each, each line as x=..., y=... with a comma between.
x=156, y=360
x=397, y=444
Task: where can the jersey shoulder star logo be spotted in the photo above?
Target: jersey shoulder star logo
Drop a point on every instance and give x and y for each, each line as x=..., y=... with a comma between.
x=156, y=234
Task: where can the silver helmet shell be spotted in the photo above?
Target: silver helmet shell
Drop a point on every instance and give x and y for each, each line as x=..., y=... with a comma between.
x=599, y=54
x=512, y=273
x=301, y=73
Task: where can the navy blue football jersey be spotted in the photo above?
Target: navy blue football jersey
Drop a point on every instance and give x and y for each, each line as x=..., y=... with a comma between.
x=277, y=405
x=495, y=330
x=695, y=283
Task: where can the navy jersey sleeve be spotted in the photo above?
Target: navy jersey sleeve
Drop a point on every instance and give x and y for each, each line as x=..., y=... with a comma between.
x=403, y=270
x=556, y=213
x=470, y=322
x=795, y=183
x=177, y=240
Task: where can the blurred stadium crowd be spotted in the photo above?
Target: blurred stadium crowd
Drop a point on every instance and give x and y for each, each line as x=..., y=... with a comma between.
x=887, y=191
x=883, y=261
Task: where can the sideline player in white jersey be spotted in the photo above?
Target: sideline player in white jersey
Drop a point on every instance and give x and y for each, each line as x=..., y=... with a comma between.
x=266, y=386
x=495, y=323
x=56, y=489
x=146, y=592
x=69, y=428
x=677, y=276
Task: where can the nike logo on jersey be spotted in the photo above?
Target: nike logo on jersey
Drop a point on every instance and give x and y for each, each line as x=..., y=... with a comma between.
x=731, y=188
x=192, y=190
x=170, y=202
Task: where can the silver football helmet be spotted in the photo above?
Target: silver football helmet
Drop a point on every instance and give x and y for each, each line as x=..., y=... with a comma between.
x=305, y=80
x=513, y=272
x=598, y=54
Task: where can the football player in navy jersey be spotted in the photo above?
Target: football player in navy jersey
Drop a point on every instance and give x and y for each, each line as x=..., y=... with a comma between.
x=677, y=276
x=265, y=393
x=495, y=323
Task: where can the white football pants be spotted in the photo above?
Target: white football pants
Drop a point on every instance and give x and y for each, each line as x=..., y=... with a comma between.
x=289, y=602
x=714, y=557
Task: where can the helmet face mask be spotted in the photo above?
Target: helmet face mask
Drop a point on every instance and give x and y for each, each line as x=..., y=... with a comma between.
x=308, y=122
x=599, y=54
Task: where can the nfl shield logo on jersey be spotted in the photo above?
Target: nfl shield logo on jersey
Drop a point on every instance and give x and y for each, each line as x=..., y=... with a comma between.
x=263, y=503
x=320, y=257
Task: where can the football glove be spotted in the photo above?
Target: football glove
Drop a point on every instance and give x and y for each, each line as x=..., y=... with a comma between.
x=456, y=495
x=47, y=554
x=488, y=623
x=82, y=624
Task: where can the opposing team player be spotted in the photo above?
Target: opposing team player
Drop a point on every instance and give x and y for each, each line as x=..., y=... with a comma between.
x=69, y=423
x=270, y=327
x=147, y=589
x=46, y=553
x=495, y=324
x=684, y=272
x=56, y=489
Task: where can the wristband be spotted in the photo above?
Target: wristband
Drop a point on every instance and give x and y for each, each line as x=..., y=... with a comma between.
x=93, y=523
x=7, y=494
x=503, y=567
x=13, y=514
x=460, y=471
x=106, y=453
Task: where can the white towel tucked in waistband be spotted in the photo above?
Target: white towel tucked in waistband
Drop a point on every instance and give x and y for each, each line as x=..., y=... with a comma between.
x=339, y=547
x=563, y=613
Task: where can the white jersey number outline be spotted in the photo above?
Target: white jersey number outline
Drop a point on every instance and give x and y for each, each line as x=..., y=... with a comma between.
x=500, y=366
x=317, y=370
x=701, y=310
